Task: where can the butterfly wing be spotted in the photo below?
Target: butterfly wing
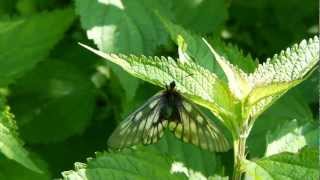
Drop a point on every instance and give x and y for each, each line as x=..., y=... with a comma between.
x=143, y=126
x=192, y=126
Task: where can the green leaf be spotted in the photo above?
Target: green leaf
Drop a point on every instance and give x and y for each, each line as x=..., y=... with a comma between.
x=202, y=87
x=277, y=75
x=291, y=106
x=178, y=167
x=10, y=144
x=21, y=48
x=193, y=46
x=202, y=16
x=126, y=26
x=62, y=102
x=191, y=156
x=10, y=170
x=291, y=138
x=142, y=164
x=285, y=166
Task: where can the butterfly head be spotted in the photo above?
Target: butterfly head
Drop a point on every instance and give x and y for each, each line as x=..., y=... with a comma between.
x=171, y=86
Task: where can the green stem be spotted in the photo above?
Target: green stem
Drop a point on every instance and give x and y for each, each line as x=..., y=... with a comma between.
x=239, y=156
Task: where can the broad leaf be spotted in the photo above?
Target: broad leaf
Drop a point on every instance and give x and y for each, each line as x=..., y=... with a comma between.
x=205, y=16
x=291, y=138
x=303, y=165
x=123, y=26
x=178, y=167
x=277, y=75
x=62, y=102
x=194, y=47
x=291, y=106
x=191, y=156
x=10, y=144
x=142, y=164
x=21, y=48
x=193, y=81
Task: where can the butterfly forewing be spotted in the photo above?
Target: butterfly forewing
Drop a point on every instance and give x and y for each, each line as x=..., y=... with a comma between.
x=195, y=128
x=168, y=109
x=141, y=127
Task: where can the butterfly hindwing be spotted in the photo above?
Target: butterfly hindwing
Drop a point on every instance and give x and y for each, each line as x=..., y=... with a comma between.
x=192, y=126
x=141, y=127
x=168, y=109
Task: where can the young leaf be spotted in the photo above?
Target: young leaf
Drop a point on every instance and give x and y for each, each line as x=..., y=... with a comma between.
x=303, y=165
x=10, y=144
x=193, y=45
x=142, y=164
x=291, y=138
x=62, y=102
x=277, y=75
x=21, y=48
x=193, y=81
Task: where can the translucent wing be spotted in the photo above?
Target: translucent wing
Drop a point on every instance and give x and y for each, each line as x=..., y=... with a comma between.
x=143, y=126
x=195, y=128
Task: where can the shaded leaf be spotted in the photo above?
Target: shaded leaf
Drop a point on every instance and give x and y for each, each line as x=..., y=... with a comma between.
x=291, y=106
x=21, y=49
x=61, y=106
x=203, y=16
x=10, y=144
x=10, y=170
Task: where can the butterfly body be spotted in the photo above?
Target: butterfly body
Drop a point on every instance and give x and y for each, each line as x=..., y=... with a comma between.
x=168, y=109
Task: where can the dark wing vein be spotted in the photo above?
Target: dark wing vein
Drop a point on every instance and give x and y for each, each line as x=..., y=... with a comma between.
x=199, y=129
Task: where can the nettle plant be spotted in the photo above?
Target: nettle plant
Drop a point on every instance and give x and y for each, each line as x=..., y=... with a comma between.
x=234, y=88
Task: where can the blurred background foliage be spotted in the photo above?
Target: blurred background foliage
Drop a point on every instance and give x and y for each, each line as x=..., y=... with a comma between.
x=66, y=100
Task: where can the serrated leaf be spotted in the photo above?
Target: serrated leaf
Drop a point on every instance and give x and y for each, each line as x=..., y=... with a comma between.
x=128, y=27
x=142, y=164
x=237, y=79
x=21, y=48
x=178, y=167
x=193, y=45
x=291, y=138
x=191, y=156
x=62, y=102
x=277, y=75
x=193, y=81
x=303, y=165
x=10, y=144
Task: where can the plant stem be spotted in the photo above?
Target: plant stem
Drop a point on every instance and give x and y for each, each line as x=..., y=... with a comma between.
x=239, y=156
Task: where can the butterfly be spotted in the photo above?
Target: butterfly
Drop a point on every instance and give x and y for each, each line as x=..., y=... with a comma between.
x=168, y=109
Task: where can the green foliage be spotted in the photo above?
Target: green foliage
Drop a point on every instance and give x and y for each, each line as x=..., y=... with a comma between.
x=19, y=45
x=291, y=138
x=60, y=85
x=286, y=166
x=59, y=103
x=11, y=145
x=143, y=164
